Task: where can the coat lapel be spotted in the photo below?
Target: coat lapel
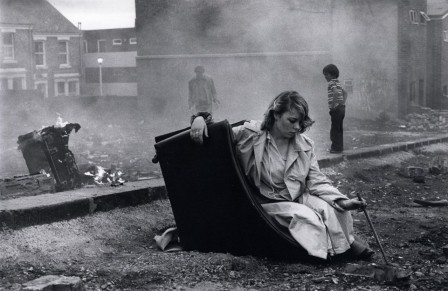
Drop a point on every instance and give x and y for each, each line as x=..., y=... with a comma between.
x=259, y=145
x=297, y=145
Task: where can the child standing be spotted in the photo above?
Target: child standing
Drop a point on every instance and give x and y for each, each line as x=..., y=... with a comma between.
x=336, y=104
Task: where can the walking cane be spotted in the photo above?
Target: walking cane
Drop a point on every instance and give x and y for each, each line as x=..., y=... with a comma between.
x=373, y=230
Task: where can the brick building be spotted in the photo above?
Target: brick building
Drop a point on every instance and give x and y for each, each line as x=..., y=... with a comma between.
x=438, y=52
x=381, y=49
x=118, y=49
x=41, y=49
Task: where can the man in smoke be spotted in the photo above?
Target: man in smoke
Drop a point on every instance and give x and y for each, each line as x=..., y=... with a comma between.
x=202, y=92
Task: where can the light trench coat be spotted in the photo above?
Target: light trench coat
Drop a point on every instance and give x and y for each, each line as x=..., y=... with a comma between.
x=311, y=216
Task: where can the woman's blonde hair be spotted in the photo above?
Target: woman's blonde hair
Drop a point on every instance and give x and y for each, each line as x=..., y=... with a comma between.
x=284, y=102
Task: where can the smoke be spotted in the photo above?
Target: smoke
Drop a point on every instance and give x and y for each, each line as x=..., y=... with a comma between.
x=252, y=49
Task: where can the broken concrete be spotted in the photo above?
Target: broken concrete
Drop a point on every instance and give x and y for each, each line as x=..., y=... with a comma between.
x=384, y=273
x=53, y=282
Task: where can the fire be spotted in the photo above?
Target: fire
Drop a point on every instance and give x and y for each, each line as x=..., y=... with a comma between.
x=59, y=122
x=102, y=176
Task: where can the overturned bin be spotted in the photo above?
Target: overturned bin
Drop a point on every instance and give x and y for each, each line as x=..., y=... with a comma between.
x=47, y=150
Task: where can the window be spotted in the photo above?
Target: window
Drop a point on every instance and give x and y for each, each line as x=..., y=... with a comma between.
x=85, y=47
x=133, y=40
x=445, y=36
x=42, y=88
x=63, y=52
x=8, y=46
x=117, y=42
x=413, y=16
x=4, y=84
x=60, y=88
x=412, y=92
x=101, y=45
x=39, y=53
x=421, y=92
x=348, y=85
x=67, y=87
x=445, y=90
x=72, y=87
x=424, y=17
x=17, y=83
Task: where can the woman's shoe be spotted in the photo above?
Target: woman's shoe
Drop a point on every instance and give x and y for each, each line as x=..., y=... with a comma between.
x=366, y=255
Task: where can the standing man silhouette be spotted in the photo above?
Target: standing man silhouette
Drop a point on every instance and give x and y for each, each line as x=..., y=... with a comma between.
x=201, y=92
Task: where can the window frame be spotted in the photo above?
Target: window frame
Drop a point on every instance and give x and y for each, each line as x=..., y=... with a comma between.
x=45, y=83
x=66, y=53
x=4, y=84
x=348, y=85
x=85, y=46
x=98, y=45
x=412, y=92
x=117, y=41
x=43, y=53
x=424, y=18
x=76, y=93
x=8, y=46
x=413, y=16
x=66, y=82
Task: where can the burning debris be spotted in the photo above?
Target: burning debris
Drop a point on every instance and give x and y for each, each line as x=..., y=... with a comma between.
x=46, y=151
x=100, y=175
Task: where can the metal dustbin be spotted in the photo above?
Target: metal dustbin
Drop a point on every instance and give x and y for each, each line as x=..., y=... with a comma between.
x=47, y=149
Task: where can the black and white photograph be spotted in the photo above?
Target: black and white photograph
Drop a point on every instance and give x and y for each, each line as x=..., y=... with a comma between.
x=233, y=145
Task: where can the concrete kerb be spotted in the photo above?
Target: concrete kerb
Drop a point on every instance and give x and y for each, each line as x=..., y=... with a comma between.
x=47, y=208
x=380, y=150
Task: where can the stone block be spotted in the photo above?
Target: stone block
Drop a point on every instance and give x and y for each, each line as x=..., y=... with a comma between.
x=414, y=172
x=53, y=282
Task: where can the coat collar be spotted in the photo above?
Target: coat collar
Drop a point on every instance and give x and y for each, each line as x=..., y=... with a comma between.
x=299, y=144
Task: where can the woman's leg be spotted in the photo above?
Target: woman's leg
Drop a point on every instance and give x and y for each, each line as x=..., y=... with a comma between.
x=304, y=225
x=339, y=224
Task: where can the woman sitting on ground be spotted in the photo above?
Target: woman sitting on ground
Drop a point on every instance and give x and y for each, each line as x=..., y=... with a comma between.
x=280, y=161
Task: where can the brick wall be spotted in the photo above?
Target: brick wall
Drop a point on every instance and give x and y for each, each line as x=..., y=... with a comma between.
x=411, y=56
x=445, y=60
x=22, y=53
x=435, y=67
x=53, y=69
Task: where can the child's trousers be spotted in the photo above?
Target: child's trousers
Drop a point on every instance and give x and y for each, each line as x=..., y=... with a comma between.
x=336, y=132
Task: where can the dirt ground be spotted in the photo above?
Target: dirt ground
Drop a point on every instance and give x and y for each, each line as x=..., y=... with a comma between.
x=116, y=251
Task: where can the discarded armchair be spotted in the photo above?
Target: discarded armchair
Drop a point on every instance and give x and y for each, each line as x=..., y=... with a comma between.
x=214, y=205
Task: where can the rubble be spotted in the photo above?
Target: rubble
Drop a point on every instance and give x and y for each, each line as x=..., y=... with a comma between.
x=53, y=282
x=424, y=119
x=47, y=149
x=25, y=185
x=386, y=273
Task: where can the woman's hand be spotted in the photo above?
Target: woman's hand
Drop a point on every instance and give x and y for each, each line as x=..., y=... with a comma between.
x=198, y=130
x=352, y=204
